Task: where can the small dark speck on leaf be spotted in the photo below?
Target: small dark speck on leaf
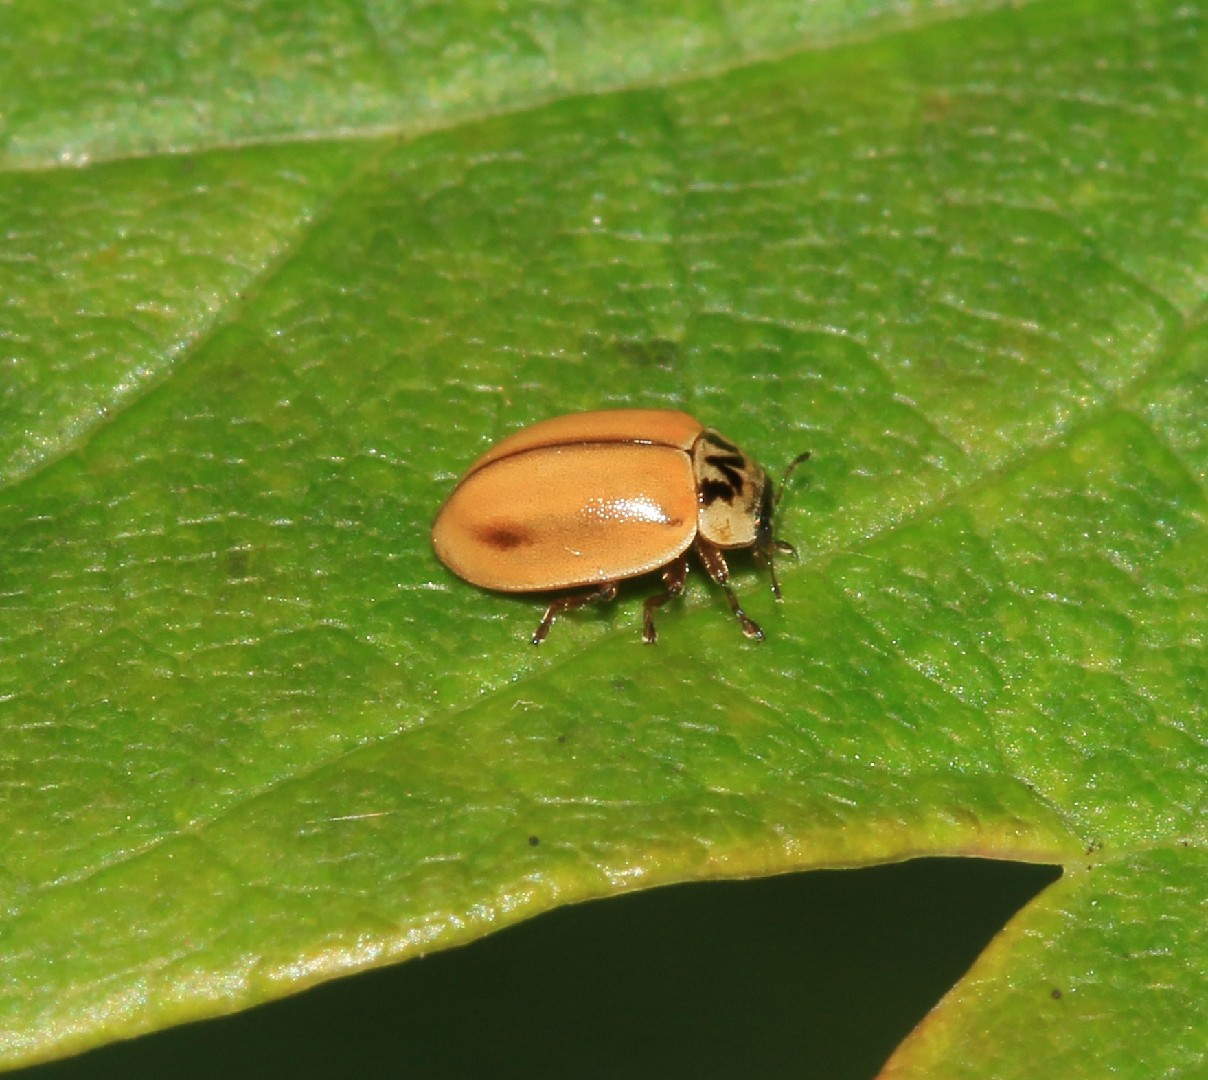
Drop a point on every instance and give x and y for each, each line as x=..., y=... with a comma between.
x=1055, y=994
x=936, y=107
x=653, y=352
x=534, y=841
x=237, y=563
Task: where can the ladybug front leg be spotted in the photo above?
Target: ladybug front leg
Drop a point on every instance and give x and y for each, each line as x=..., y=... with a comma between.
x=766, y=556
x=606, y=592
x=673, y=580
x=715, y=566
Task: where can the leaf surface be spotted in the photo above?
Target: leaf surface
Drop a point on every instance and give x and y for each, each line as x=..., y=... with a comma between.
x=315, y=258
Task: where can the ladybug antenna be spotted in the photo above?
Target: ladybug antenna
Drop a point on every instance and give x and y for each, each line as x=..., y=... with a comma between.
x=772, y=544
x=788, y=472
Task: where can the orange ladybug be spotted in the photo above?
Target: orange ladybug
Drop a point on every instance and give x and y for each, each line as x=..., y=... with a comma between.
x=597, y=497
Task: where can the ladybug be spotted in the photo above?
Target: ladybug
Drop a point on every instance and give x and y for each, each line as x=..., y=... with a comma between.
x=594, y=498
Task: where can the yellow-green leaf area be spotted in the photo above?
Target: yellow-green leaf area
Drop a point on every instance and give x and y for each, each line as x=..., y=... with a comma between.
x=253, y=735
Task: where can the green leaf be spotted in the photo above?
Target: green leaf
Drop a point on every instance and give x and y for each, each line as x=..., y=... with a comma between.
x=314, y=259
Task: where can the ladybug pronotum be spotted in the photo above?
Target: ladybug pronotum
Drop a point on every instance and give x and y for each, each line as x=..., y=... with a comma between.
x=597, y=497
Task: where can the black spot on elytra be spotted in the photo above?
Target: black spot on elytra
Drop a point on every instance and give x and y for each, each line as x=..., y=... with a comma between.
x=504, y=536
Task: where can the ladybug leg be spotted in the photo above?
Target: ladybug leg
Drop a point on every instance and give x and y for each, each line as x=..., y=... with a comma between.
x=715, y=566
x=606, y=592
x=767, y=550
x=767, y=557
x=673, y=581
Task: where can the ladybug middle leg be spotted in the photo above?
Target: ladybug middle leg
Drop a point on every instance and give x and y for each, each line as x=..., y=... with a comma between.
x=673, y=584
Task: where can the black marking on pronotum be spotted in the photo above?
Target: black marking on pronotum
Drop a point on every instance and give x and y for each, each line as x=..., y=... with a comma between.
x=713, y=439
x=726, y=459
x=712, y=490
x=728, y=467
